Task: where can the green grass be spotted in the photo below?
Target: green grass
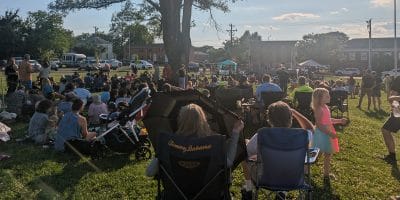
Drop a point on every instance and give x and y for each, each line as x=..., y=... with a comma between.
x=37, y=173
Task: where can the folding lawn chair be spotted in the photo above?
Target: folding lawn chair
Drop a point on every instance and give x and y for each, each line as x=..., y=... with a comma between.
x=303, y=104
x=339, y=103
x=280, y=161
x=192, y=168
x=271, y=97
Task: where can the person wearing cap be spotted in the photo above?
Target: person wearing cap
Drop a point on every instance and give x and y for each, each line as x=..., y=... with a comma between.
x=96, y=108
x=25, y=71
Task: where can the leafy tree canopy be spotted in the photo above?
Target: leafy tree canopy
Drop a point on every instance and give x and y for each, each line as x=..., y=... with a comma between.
x=175, y=17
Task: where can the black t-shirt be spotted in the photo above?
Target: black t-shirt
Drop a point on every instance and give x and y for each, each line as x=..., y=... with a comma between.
x=11, y=73
x=368, y=81
x=283, y=76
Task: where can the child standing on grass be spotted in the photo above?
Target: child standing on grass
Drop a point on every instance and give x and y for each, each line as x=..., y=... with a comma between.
x=325, y=137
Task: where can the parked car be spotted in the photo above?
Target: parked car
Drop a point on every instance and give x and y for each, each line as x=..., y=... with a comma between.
x=193, y=66
x=89, y=65
x=115, y=63
x=348, y=72
x=35, y=65
x=55, y=64
x=141, y=64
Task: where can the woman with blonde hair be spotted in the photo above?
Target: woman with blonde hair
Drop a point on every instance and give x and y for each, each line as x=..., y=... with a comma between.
x=325, y=137
x=192, y=122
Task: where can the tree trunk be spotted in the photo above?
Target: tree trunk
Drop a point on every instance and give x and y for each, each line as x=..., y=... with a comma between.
x=186, y=21
x=170, y=22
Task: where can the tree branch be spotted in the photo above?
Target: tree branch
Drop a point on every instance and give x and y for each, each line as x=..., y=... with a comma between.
x=154, y=4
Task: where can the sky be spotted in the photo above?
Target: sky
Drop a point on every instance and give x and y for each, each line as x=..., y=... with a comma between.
x=272, y=19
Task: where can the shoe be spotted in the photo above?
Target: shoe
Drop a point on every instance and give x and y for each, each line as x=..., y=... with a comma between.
x=390, y=158
x=246, y=195
x=359, y=107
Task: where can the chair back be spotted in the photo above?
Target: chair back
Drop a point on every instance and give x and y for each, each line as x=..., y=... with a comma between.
x=338, y=97
x=271, y=97
x=280, y=157
x=228, y=96
x=303, y=100
x=193, y=168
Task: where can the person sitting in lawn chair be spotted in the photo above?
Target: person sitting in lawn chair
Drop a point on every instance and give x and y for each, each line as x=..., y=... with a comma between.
x=192, y=125
x=279, y=115
x=192, y=122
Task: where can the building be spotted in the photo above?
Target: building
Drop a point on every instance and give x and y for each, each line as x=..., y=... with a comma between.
x=156, y=53
x=104, y=47
x=356, y=51
x=151, y=52
x=272, y=54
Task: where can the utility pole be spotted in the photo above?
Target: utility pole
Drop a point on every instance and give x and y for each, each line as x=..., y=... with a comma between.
x=395, y=39
x=96, y=29
x=129, y=42
x=231, y=32
x=369, y=26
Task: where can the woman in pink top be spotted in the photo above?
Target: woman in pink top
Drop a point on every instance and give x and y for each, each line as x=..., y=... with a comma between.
x=325, y=137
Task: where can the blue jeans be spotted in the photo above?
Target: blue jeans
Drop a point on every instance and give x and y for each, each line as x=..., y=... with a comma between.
x=27, y=84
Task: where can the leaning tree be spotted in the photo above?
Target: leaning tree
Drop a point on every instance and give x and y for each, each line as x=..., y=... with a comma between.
x=175, y=17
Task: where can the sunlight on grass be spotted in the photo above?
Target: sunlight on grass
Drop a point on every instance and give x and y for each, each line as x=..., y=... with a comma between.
x=37, y=173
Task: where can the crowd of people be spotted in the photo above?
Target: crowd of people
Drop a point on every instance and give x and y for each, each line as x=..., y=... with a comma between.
x=55, y=109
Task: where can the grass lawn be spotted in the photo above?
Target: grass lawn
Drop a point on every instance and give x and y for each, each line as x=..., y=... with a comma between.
x=37, y=173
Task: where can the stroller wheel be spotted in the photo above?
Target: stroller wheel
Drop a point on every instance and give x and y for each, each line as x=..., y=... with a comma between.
x=143, y=153
x=146, y=143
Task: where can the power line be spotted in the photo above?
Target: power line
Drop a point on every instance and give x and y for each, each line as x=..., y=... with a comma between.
x=231, y=32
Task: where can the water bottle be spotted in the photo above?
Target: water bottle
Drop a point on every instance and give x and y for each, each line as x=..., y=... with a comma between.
x=395, y=109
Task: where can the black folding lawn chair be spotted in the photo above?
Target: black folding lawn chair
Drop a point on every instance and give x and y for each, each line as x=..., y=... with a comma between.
x=192, y=168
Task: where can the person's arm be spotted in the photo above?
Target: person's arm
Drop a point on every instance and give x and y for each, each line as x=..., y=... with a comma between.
x=323, y=127
x=84, y=131
x=232, y=143
x=303, y=121
x=15, y=67
x=394, y=98
x=342, y=121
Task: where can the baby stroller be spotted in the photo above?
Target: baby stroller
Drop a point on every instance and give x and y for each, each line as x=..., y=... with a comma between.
x=123, y=135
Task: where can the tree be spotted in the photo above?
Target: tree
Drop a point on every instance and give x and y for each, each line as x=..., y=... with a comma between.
x=46, y=35
x=240, y=49
x=12, y=33
x=175, y=18
x=89, y=44
x=140, y=25
x=324, y=48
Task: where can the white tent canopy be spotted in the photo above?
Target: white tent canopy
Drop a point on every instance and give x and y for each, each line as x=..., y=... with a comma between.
x=310, y=63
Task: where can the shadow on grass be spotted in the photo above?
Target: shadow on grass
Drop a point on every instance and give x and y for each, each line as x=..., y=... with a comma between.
x=53, y=186
x=325, y=191
x=395, y=171
x=380, y=114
